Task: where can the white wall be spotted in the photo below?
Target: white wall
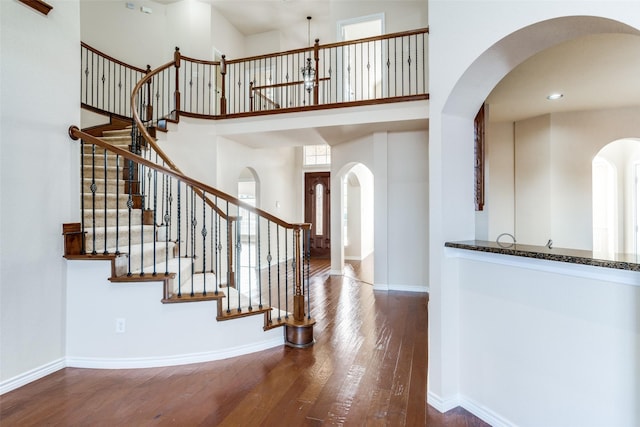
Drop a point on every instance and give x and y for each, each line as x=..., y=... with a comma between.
x=139, y=38
x=39, y=183
x=225, y=37
x=402, y=15
x=188, y=26
x=407, y=207
x=399, y=164
x=489, y=39
x=191, y=146
x=499, y=179
x=155, y=334
x=129, y=35
x=534, y=338
x=360, y=213
x=278, y=172
x=533, y=179
x=551, y=157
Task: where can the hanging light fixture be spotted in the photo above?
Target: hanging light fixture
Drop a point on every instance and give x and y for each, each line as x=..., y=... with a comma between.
x=308, y=72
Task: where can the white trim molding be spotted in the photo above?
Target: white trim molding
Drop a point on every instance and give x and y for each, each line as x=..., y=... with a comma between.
x=401, y=288
x=182, y=359
x=32, y=375
x=480, y=411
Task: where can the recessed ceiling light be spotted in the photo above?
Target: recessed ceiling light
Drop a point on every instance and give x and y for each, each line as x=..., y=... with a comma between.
x=554, y=96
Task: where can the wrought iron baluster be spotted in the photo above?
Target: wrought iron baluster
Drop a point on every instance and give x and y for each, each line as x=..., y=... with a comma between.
x=204, y=244
x=408, y=65
x=249, y=258
x=129, y=207
x=179, y=242
x=167, y=224
x=94, y=188
x=402, y=63
x=259, y=262
x=155, y=217
x=307, y=276
x=278, y=266
x=82, y=148
x=218, y=249
x=269, y=258
x=193, y=238
x=238, y=258
x=117, y=204
x=229, y=272
x=286, y=276
x=424, y=65
x=105, y=203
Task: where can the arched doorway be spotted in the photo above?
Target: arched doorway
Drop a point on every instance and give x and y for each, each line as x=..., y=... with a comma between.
x=463, y=84
x=616, y=197
x=357, y=221
x=249, y=192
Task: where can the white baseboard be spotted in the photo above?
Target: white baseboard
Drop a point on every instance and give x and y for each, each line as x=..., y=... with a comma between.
x=32, y=375
x=182, y=359
x=442, y=405
x=485, y=414
x=400, y=288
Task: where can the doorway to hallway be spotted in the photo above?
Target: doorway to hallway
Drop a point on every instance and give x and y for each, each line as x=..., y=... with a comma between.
x=317, y=212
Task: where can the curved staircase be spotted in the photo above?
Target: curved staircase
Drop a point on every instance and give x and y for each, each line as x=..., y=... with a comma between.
x=119, y=226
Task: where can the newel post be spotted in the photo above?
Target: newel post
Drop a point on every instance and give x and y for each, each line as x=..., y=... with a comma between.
x=316, y=57
x=251, y=96
x=299, y=331
x=149, y=110
x=298, y=297
x=223, y=95
x=176, y=60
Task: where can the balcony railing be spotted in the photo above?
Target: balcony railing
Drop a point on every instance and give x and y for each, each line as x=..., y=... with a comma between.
x=389, y=68
x=106, y=83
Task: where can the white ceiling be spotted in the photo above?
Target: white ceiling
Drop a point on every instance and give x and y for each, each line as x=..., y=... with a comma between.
x=593, y=72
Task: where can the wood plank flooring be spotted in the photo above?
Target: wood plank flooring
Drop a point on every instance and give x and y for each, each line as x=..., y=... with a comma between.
x=367, y=368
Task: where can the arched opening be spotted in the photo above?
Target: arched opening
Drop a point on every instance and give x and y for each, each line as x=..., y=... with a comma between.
x=452, y=327
x=248, y=192
x=605, y=223
x=539, y=150
x=616, y=198
x=357, y=235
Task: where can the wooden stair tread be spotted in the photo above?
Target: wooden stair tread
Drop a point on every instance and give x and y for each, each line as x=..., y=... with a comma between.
x=234, y=313
x=147, y=277
x=90, y=256
x=197, y=296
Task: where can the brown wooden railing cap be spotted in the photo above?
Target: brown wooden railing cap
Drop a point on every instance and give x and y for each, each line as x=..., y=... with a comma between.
x=110, y=58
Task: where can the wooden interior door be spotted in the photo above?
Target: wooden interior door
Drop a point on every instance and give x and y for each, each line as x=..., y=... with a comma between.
x=317, y=212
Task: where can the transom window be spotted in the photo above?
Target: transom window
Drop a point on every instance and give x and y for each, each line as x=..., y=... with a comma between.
x=317, y=155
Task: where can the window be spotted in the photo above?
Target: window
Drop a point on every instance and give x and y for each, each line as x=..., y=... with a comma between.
x=319, y=209
x=317, y=155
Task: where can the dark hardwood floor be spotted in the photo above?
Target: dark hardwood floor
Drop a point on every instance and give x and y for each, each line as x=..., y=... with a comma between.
x=367, y=368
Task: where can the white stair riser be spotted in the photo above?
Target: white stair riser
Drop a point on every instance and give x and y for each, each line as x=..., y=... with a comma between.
x=148, y=260
x=112, y=215
x=138, y=233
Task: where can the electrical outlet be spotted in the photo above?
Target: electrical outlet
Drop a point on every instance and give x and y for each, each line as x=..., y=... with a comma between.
x=120, y=326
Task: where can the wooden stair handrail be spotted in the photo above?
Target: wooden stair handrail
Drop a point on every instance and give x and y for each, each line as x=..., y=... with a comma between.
x=75, y=133
x=332, y=45
x=110, y=58
x=151, y=141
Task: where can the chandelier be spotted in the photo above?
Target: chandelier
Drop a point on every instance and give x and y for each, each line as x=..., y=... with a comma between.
x=308, y=72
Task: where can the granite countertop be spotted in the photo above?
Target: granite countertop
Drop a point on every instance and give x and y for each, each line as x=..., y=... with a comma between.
x=629, y=262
